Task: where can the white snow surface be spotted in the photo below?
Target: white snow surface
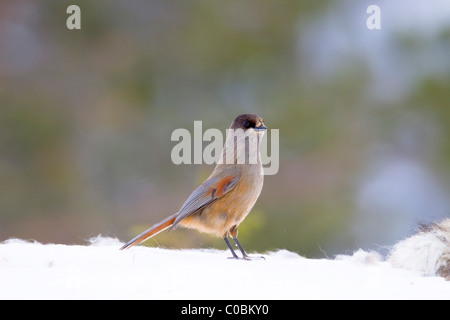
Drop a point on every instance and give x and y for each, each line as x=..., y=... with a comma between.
x=99, y=270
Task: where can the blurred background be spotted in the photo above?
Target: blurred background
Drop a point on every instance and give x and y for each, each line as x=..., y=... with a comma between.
x=86, y=117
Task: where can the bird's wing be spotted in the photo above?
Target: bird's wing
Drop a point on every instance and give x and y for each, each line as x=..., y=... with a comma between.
x=209, y=191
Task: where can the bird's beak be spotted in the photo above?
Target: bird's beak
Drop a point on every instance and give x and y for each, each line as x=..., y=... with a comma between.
x=261, y=128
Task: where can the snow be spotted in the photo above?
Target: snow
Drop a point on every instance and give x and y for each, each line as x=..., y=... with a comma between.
x=99, y=270
x=427, y=251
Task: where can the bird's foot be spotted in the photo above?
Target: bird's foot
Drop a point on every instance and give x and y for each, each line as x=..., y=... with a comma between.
x=247, y=258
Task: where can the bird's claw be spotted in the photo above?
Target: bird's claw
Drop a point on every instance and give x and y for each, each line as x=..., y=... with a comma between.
x=248, y=258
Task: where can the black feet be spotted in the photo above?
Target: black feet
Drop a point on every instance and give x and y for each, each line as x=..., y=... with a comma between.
x=245, y=256
x=248, y=258
x=235, y=256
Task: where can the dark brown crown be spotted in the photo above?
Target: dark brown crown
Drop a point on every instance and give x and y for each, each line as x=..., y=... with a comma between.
x=247, y=121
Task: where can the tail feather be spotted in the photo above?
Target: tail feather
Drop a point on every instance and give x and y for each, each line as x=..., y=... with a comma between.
x=150, y=232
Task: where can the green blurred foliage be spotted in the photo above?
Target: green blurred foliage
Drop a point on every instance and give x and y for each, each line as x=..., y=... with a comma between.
x=86, y=118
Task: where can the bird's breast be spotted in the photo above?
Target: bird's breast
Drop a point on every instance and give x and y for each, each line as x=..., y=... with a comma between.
x=232, y=208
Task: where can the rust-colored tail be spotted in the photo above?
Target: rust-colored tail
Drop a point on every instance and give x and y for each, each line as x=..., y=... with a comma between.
x=150, y=232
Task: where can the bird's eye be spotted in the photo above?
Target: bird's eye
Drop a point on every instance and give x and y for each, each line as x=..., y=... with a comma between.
x=246, y=123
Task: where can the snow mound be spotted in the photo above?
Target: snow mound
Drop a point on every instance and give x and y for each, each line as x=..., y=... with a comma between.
x=428, y=251
x=99, y=270
x=361, y=256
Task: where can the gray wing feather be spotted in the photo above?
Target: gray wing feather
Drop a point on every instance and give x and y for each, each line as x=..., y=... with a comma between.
x=199, y=198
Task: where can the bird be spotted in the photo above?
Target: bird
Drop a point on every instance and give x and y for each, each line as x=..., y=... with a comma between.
x=227, y=196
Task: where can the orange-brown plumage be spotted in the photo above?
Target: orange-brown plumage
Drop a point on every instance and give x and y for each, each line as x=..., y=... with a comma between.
x=226, y=197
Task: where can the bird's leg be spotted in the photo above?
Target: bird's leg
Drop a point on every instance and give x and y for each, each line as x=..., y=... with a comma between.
x=231, y=248
x=233, y=233
x=245, y=256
